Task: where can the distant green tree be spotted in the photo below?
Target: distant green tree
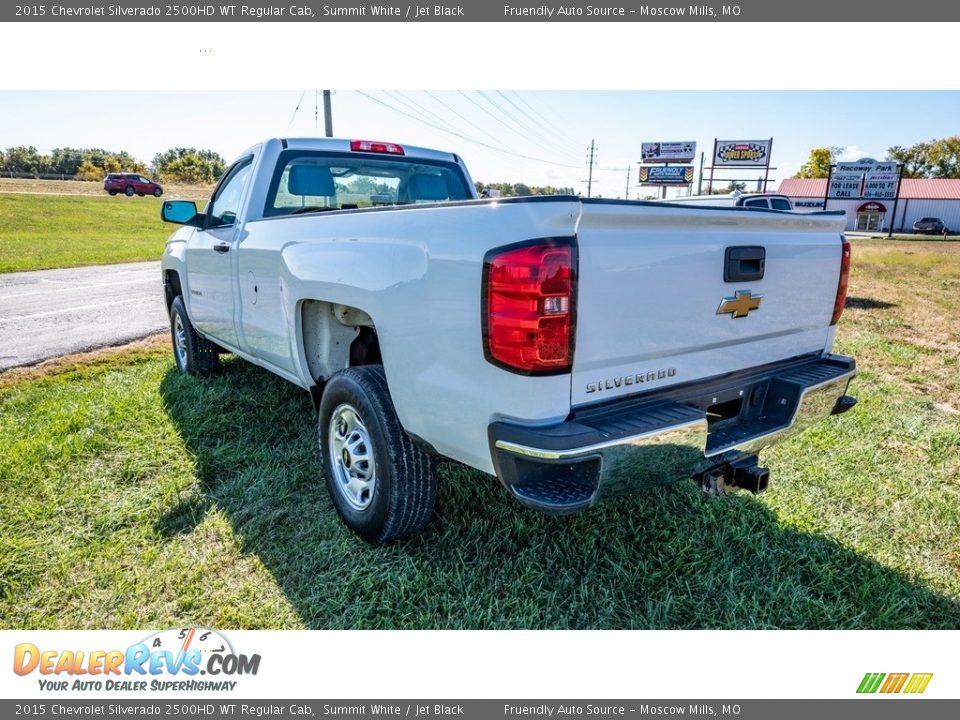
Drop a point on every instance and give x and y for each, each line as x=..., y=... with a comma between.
x=934, y=159
x=818, y=163
x=23, y=159
x=915, y=159
x=188, y=165
x=735, y=186
x=944, y=157
x=518, y=189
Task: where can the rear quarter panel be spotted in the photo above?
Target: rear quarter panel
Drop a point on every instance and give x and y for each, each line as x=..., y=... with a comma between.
x=417, y=272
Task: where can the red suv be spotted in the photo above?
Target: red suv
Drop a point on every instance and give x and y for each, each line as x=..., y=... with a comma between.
x=130, y=184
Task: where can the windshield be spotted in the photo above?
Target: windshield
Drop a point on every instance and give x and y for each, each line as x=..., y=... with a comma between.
x=314, y=181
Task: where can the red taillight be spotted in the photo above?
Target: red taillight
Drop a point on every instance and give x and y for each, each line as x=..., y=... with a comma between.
x=842, y=284
x=528, y=322
x=376, y=147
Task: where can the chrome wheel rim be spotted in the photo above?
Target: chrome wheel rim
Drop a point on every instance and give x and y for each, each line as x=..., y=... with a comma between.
x=351, y=456
x=179, y=340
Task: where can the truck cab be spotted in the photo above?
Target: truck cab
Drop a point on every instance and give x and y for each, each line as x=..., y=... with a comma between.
x=764, y=201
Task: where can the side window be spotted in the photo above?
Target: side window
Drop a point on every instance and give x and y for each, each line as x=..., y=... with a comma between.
x=757, y=202
x=225, y=203
x=780, y=204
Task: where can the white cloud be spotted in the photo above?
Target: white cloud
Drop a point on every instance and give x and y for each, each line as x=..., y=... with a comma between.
x=855, y=152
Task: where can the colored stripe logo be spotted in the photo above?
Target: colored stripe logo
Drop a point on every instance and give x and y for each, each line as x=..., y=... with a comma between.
x=913, y=683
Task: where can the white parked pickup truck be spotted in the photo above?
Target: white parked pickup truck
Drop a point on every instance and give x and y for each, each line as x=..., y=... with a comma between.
x=574, y=348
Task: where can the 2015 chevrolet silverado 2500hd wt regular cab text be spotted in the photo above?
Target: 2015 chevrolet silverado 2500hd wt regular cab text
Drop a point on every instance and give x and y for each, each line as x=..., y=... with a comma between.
x=574, y=348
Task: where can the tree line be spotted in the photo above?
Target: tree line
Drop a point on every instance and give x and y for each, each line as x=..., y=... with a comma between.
x=938, y=158
x=186, y=165
x=522, y=189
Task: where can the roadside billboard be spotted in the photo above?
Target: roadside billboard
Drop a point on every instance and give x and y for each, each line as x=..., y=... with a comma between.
x=666, y=175
x=668, y=152
x=742, y=153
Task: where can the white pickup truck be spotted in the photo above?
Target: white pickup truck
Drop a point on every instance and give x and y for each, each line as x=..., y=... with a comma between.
x=574, y=348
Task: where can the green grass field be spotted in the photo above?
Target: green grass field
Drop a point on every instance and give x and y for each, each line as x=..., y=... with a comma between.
x=136, y=497
x=52, y=231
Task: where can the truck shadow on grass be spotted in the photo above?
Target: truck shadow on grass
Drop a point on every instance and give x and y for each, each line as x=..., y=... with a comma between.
x=865, y=303
x=664, y=558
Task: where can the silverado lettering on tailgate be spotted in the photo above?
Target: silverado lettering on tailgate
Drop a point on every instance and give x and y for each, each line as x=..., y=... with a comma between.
x=612, y=383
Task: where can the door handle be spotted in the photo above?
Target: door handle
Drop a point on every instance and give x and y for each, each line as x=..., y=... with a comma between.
x=221, y=248
x=744, y=263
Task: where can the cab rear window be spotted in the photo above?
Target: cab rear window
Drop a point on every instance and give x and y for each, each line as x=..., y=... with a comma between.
x=312, y=181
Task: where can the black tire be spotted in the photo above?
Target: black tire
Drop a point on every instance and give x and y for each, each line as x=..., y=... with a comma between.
x=139, y=194
x=192, y=353
x=157, y=192
x=404, y=485
x=129, y=191
x=112, y=192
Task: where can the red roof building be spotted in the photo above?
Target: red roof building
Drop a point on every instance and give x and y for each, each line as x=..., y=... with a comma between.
x=919, y=198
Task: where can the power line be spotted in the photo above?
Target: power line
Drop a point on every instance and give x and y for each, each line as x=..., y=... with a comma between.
x=502, y=122
x=532, y=108
x=463, y=117
x=462, y=136
x=543, y=117
x=419, y=109
x=293, y=117
x=532, y=119
x=532, y=134
x=506, y=112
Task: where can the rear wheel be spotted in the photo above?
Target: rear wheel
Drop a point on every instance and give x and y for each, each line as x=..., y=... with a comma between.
x=383, y=486
x=192, y=353
x=129, y=191
x=112, y=192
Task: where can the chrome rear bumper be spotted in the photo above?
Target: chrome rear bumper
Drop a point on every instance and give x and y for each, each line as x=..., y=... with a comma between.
x=667, y=436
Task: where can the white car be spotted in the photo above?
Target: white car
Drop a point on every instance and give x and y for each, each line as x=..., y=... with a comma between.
x=576, y=349
x=763, y=201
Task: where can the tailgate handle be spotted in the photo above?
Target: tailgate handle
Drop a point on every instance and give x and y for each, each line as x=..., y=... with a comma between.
x=744, y=263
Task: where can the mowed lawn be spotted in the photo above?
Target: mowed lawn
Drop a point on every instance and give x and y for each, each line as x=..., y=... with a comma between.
x=39, y=231
x=134, y=497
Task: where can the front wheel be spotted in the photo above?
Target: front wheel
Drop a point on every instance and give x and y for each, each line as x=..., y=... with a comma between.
x=193, y=353
x=382, y=484
x=112, y=192
x=128, y=191
x=157, y=192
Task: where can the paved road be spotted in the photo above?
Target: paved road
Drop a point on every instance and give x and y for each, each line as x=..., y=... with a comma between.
x=49, y=313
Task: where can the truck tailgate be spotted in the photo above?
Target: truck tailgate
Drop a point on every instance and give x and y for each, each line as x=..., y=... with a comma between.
x=651, y=284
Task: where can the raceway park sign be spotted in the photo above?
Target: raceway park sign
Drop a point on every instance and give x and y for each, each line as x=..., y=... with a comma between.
x=666, y=152
x=748, y=153
x=671, y=175
x=864, y=181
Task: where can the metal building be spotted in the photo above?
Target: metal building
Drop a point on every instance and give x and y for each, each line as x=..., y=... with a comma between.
x=919, y=198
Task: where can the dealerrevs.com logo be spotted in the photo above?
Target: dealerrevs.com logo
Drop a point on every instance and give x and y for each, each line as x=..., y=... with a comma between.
x=170, y=660
x=890, y=683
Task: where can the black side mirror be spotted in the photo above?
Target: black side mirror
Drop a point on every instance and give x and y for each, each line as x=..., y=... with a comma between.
x=181, y=212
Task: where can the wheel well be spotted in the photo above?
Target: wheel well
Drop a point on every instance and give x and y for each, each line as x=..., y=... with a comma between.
x=335, y=337
x=365, y=349
x=171, y=287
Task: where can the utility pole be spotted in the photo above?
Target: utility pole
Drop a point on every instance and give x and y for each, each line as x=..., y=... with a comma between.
x=626, y=193
x=593, y=151
x=327, y=113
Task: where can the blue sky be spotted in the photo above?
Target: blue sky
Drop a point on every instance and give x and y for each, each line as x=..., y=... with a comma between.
x=552, y=129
